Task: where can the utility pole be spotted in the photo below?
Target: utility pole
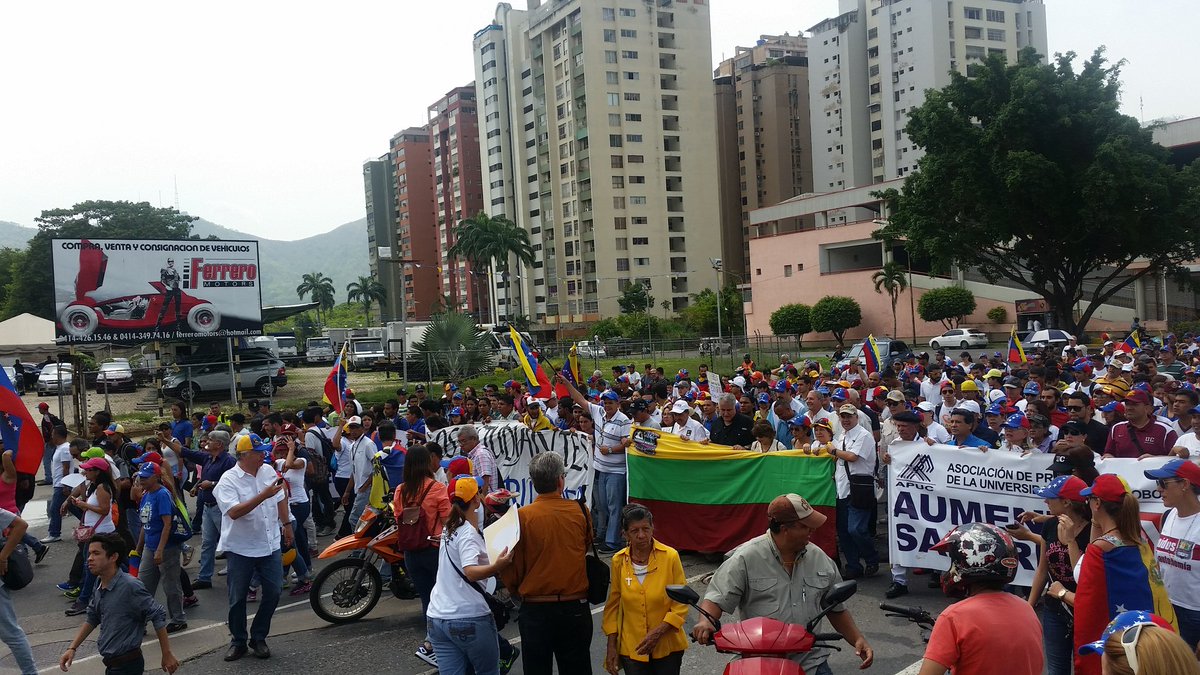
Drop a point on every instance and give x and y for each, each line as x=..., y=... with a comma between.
x=716, y=265
x=384, y=253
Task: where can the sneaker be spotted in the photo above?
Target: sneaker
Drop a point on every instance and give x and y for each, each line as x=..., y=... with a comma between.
x=188, y=552
x=73, y=593
x=76, y=608
x=425, y=653
x=190, y=601
x=176, y=627
x=896, y=590
x=49, y=540
x=223, y=571
x=507, y=664
x=40, y=555
x=201, y=584
x=252, y=596
x=301, y=588
x=66, y=586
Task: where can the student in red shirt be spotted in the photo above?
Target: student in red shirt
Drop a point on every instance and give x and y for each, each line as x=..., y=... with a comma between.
x=990, y=632
x=1142, y=434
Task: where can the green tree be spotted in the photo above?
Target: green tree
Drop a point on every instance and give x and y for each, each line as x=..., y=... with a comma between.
x=455, y=346
x=367, y=291
x=11, y=261
x=32, y=286
x=701, y=314
x=793, y=319
x=891, y=279
x=635, y=298
x=320, y=288
x=948, y=305
x=1032, y=175
x=605, y=329
x=489, y=242
x=836, y=314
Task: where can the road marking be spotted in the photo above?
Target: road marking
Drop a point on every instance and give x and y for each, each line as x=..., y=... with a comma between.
x=911, y=670
x=517, y=640
x=199, y=629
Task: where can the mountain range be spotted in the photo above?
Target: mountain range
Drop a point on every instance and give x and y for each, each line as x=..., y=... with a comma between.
x=340, y=254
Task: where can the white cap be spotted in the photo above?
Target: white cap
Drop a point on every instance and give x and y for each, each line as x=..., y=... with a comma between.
x=681, y=406
x=740, y=382
x=925, y=406
x=969, y=405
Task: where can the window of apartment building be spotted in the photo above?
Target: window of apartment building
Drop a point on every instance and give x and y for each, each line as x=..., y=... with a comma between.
x=562, y=131
x=633, y=138
x=631, y=75
x=973, y=32
x=787, y=270
x=633, y=97
x=641, y=241
x=489, y=65
x=529, y=126
x=610, y=56
x=628, y=33
x=996, y=34
x=640, y=220
x=622, y=264
x=637, y=180
x=618, y=202
x=628, y=12
x=628, y=54
x=614, y=140
x=995, y=15
x=641, y=262
x=527, y=109
x=493, y=133
x=494, y=151
x=872, y=71
x=612, y=77
x=614, y=119
x=972, y=13
x=621, y=244
x=490, y=82
x=618, y=182
x=636, y=159
x=637, y=200
x=495, y=167
x=487, y=48
x=974, y=52
x=490, y=100
x=996, y=50
x=610, y=35
x=614, y=99
x=497, y=184
x=633, y=117
x=564, y=168
x=608, y=14
x=619, y=223
x=569, y=248
x=617, y=161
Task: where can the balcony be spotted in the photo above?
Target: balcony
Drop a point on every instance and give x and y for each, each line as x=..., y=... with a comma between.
x=670, y=123
x=666, y=41
x=673, y=163
x=666, y=20
x=675, y=224
x=670, y=102
x=667, y=62
x=676, y=245
x=679, y=265
x=668, y=82
x=679, y=285
x=674, y=184
x=674, y=204
x=671, y=143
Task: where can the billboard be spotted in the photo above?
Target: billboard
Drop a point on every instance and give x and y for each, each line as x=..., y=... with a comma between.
x=138, y=290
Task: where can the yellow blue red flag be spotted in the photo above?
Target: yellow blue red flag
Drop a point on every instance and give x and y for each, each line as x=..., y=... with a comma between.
x=1016, y=353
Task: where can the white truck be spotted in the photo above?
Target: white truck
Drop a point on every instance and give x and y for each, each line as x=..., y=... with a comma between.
x=319, y=350
x=365, y=353
x=287, y=346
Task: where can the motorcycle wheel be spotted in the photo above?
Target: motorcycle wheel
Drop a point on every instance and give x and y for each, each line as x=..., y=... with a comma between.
x=345, y=591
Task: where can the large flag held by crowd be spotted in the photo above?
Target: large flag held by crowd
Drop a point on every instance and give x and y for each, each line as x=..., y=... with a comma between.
x=19, y=430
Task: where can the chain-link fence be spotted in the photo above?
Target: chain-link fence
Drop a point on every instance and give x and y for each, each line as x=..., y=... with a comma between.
x=722, y=354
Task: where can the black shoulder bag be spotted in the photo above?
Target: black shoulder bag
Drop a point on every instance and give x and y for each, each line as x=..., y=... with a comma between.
x=598, y=574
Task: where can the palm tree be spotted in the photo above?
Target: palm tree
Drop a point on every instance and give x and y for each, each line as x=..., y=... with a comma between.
x=891, y=280
x=489, y=242
x=454, y=347
x=366, y=290
x=320, y=287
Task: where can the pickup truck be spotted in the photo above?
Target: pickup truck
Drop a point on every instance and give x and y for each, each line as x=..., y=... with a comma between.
x=365, y=353
x=586, y=349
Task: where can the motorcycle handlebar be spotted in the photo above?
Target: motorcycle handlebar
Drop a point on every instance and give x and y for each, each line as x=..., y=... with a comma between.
x=910, y=613
x=827, y=637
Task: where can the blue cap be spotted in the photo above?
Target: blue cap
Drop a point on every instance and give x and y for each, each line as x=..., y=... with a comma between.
x=149, y=469
x=1112, y=405
x=1032, y=389
x=456, y=412
x=1071, y=485
x=610, y=395
x=800, y=421
x=823, y=390
x=1142, y=386
x=994, y=409
x=764, y=398
x=1015, y=421
x=782, y=386
x=1121, y=623
x=1176, y=468
x=839, y=395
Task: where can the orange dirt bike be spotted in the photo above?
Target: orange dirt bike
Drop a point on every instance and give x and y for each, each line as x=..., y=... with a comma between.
x=348, y=589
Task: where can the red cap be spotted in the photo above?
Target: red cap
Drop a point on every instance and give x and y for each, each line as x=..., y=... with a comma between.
x=1138, y=396
x=1108, y=487
x=43, y=406
x=459, y=466
x=288, y=429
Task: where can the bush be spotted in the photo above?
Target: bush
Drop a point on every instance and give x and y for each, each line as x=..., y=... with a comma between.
x=998, y=314
x=835, y=314
x=1182, y=327
x=793, y=319
x=948, y=305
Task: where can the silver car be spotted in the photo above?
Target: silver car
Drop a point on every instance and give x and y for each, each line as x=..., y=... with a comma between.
x=115, y=375
x=55, y=377
x=961, y=338
x=189, y=382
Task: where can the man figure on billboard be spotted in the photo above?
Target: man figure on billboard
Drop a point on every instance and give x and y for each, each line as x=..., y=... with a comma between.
x=169, y=276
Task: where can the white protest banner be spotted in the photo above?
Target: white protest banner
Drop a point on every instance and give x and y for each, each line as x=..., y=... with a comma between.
x=932, y=489
x=513, y=445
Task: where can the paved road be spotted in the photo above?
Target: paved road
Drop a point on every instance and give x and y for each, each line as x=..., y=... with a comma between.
x=384, y=641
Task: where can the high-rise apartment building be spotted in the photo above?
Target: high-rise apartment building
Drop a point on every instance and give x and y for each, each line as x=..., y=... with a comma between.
x=416, y=223
x=871, y=66
x=381, y=231
x=458, y=193
x=764, y=139
x=590, y=111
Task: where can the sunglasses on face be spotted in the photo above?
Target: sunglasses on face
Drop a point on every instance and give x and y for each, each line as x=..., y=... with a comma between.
x=1162, y=483
x=1072, y=432
x=1075, y=408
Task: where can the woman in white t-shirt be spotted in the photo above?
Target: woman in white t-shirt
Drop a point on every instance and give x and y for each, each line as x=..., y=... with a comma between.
x=292, y=469
x=461, y=627
x=96, y=506
x=1178, y=547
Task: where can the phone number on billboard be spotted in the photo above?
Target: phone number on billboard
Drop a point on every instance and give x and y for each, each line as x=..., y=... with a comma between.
x=147, y=336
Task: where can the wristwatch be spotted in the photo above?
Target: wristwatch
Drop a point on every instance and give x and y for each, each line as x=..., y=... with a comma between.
x=1062, y=593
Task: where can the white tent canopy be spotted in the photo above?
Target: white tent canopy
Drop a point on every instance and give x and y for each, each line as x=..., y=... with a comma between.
x=26, y=330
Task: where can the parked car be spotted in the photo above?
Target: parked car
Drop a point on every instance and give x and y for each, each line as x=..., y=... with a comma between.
x=115, y=375
x=260, y=375
x=712, y=345
x=961, y=338
x=889, y=351
x=55, y=377
x=587, y=349
x=19, y=384
x=619, y=346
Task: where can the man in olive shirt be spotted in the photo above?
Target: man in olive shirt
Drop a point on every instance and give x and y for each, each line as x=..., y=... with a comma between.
x=790, y=573
x=548, y=573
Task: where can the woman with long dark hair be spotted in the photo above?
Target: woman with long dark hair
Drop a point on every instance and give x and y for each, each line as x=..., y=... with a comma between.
x=461, y=626
x=96, y=505
x=419, y=489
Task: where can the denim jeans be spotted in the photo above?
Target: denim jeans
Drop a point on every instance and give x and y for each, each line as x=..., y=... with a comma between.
x=52, y=510
x=609, y=491
x=360, y=505
x=856, y=542
x=422, y=566
x=1189, y=625
x=168, y=573
x=301, y=511
x=469, y=641
x=1057, y=640
x=211, y=523
x=87, y=583
x=12, y=635
x=269, y=571
x=47, y=455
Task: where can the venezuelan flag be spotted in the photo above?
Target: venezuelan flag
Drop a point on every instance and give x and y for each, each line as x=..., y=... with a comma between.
x=1132, y=344
x=871, y=361
x=570, y=373
x=1016, y=353
x=335, y=384
x=21, y=433
x=539, y=384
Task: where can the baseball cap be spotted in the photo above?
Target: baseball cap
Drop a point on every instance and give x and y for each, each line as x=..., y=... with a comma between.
x=995, y=372
x=148, y=458
x=98, y=463
x=800, y=421
x=639, y=405
x=1121, y=623
x=739, y=382
x=1014, y=382
x=1064, y=487
x=460, y=466
x=457, y=396
x=421, y=387
x=349, y=391
x=533, y=403
x=1032, y=389
x=994, y=409
x=839, y=394
x=149, y=470
x=43, y=406
x=92, y=453
x=1073, y=427
x=288, y=429
x=610, y=395
x=456, y=412
x=925, y=406
x=251, y=443
x=1019, y=421
x=681, y=406
x=973, y=406
x=782, y=386
x=968, y=385
x=1176, y=468
x=114, y=429
x=907, y=416
x=1137, y=396
x=764, y=398
x=1113, y=406
x=508, y=384
x=823, y=390
x=463, y=487
x=847, y=409
x=354, y=421
x=947, y=385
x=1107, y=487
x=791, y=507
x=894, y=395
x=824, y=423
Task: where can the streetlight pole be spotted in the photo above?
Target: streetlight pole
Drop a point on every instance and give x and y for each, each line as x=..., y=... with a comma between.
x=716, y=265
x=385, y=257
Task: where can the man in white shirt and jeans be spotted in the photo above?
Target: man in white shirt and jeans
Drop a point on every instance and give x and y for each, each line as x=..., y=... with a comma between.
x=362, y=451
x=255, y=523
x=856, y=456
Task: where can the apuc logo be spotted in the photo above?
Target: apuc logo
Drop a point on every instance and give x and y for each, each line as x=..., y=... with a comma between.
x=918, y=469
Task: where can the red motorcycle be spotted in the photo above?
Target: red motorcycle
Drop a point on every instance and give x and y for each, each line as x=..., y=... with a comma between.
x=763, y=644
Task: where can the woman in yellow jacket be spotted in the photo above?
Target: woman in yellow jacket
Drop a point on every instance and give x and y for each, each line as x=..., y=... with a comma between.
x=644, y=626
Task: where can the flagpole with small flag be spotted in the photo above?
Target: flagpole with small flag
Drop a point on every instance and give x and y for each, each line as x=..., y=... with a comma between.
x=335, y=383
x=1016, y=353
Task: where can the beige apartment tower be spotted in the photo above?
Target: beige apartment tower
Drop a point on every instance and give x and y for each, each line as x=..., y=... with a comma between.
x=598, y=136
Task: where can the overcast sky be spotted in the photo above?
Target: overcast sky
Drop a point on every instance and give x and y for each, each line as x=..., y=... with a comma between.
x=264, y=111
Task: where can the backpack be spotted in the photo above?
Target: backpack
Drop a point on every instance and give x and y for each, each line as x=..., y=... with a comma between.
x=412, y=532
x=318, y=462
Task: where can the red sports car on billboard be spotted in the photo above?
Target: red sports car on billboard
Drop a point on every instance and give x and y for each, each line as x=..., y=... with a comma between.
x=139, y=312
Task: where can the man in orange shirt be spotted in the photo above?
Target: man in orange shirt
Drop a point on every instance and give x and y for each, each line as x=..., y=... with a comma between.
x=548, y=573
